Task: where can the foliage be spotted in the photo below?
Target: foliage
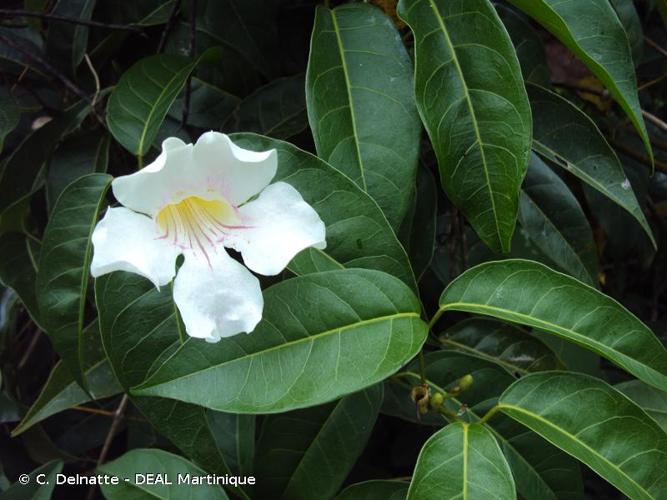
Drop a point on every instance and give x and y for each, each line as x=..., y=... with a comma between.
x=487, y=320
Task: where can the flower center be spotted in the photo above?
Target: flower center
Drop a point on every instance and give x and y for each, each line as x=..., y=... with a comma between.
x=197, y=224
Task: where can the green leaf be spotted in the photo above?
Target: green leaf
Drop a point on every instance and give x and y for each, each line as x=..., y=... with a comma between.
x=554, y=221
x=278, y=109
x=358, y=82
x=129, y=304
x=156, y=462
x=142, y=97
x=479, y=121
x=366, y=327
x=596, y=424
x=531, y=294
x=629, y=18
x=314, y=449
x=33, y=490
x=247, y=28
x=461, y=461
x=66, y=42
x=540, y=470
x=209, y=105
x=564, y=135
x=9, y=117
x=417, y=232
x=18, y=271
x=443, y=369
x=358, y=235
x=592, y=31
x=235, y=438
x=75, y=157
x=62, y=279
x=61, y=391
x=651, y=400
x=20, y=177
x=528, y=45
x=505, y=345
x=375, y=490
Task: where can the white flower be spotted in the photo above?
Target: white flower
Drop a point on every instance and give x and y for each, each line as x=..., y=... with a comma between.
x=193, y=200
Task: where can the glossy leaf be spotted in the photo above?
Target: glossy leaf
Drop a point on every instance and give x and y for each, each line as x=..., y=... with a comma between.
x=62, y=279
x=148, y=336
x=61, y=392
x=67, y=42
x=20, y=175
x=278, y=109
x=479, y=121
x=461, y=461
x=358, y=81
x=141, y=98
x=358, y=235
x=9, y=118
x=314, y=449
x=540, y=470
x=528, y=45
x=210, y=106
x=375, y=490
x=417, y=231
x=235, y=438
x=627, y=14
x=367, y=326
x=156, y=462
x=529, y=293
x=564, y=135
x=554, y=221
x=247, y=27
x=18, y=270
x=651, y=400
x=443, y=369
x=516, y=351
x=592, y=31
x=33, y=490
x=596, y=424
x=75, y=157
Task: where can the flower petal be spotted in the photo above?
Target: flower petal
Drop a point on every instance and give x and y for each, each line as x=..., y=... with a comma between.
x=219, y=300
x=164, y=181
x=241, y=173
x=277, y=226
x=127, y=241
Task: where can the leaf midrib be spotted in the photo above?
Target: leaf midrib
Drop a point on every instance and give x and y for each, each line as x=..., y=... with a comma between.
x=559, y=330
x=144, y=385
x=559, y=232
x=471, y=109
x=501, y=406
x=157, y=101
x=348, y=89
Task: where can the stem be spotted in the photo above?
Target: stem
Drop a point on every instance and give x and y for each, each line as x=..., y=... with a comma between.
x=65, y=19
x=657, y=47
x=489, y=414
x=435, y=318
x=45, y=65
x=655, y=120
x=115, y=424
x=659, y=165
x=422, y=367
x=30, y=349
x=168, y=26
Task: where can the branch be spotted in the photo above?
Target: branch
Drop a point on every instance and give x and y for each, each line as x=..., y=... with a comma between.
x=168, y=26
x=65, y=19
x=115, y=424
x=46, y=66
